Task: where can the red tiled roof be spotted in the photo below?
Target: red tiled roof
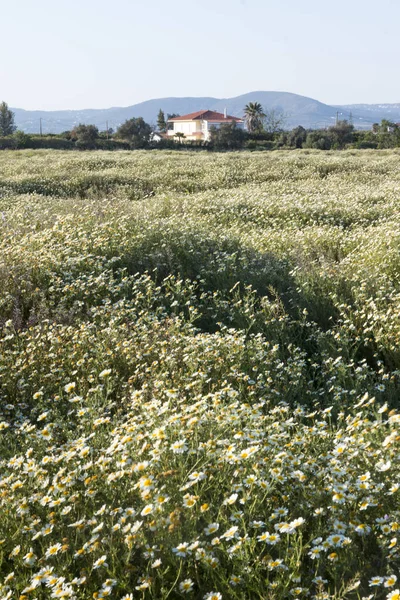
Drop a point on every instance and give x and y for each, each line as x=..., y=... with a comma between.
x=206, y=115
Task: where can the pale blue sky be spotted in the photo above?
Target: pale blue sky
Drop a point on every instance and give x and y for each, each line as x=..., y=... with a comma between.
x=59, y=54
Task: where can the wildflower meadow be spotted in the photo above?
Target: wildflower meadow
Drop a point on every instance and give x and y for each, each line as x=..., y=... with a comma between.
x=199, y=375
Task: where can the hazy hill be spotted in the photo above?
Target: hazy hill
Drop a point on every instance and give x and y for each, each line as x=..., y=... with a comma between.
x=300, y=110
x=374, y=113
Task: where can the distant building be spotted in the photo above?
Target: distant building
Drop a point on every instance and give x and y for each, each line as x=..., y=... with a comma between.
x=197, y=125
x=157, y=136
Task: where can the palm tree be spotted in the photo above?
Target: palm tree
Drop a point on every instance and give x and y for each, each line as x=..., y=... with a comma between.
x=254, y=115
x=179, y=136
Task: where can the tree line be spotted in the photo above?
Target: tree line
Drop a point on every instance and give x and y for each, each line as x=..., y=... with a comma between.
x=265, y=130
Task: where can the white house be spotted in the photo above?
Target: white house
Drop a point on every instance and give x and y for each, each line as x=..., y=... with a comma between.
x=157, y=136
x=197, y=125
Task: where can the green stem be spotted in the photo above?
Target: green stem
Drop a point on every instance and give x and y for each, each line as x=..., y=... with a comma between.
x=175, y=582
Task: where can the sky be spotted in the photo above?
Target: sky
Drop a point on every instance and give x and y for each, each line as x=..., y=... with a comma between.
x=71, y=54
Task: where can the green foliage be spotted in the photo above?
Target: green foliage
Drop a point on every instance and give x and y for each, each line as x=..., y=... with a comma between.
x=384, y=135
x=337, y=137
x=259, y=144
x=51, y=142
x=319, y=140
x=21, y=139
x=7, y=124
x=342, y=134
x=254, y=116
x=297, y=137
x=85, y=136
x=135, y=131
x=161, y=122
x=228, y=136
x=387, y=134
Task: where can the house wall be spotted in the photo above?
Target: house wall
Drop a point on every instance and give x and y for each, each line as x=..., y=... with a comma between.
x=186, y=127
x=191, y=127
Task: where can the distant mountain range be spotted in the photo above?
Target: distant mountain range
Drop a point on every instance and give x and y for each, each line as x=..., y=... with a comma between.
x=299, y=110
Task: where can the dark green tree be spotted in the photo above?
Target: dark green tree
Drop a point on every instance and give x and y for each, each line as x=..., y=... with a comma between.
x=319, y=139
x=161, y=122
x=85, y=136
x=297, y=137
x=387, y=134
x=229, y=136
x=387, y=126
x=7, y=124
x=135, y=131
x=21, y=139
x=365, y=139
x=341, y=133
x=254, y=116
